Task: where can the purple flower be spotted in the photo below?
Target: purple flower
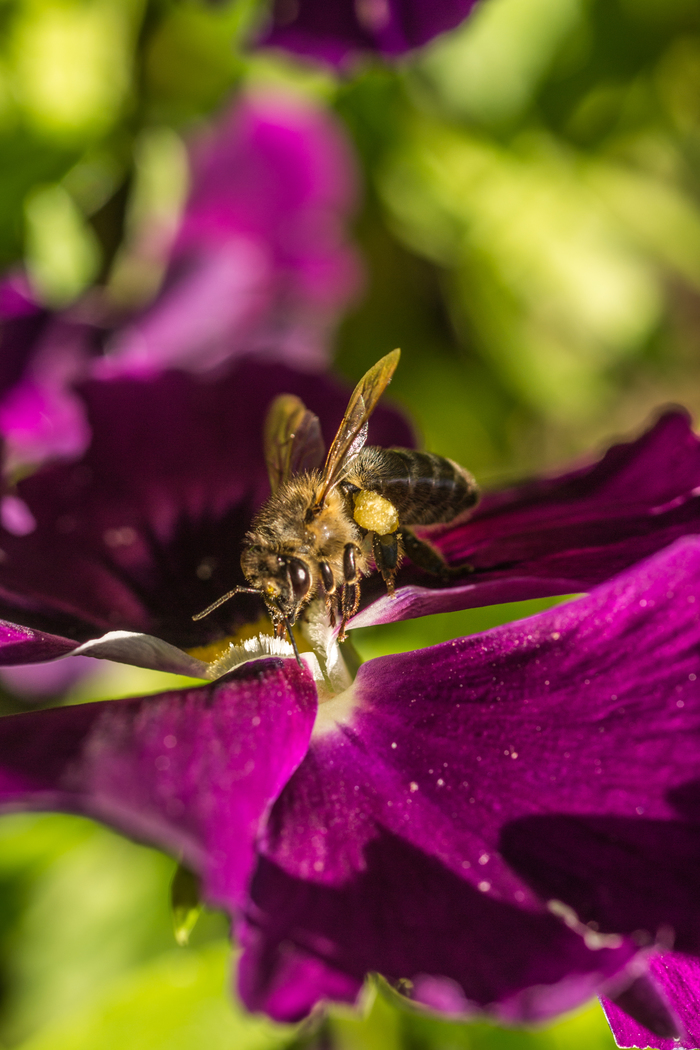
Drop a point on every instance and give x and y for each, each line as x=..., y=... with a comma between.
x=333, y=32
x=506, y=823
x=145, y=530
x=261, y=261
x=260, y=264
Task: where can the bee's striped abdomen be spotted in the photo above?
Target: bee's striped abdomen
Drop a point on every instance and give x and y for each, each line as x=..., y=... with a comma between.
x=424, y=488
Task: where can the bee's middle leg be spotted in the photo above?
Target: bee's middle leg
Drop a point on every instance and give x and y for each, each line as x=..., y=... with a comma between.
x=350, y=598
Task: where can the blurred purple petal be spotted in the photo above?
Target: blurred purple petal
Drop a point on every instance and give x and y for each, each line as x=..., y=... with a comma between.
x=21, y=321
x=41, y=417
x=261, y=262
x=145, y=530
x=214, y=297
x=15, y=516
x=41, y=356
x=335, y=31
x=678, y=978
x=460, y=787
x=41, y=680
x=194, y=772
x=563, y=534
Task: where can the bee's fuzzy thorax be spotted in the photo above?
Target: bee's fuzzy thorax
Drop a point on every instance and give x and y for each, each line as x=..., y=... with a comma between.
x=281, y=529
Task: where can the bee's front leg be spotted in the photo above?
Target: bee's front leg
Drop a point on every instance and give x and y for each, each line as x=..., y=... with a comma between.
x=328, y=581
x=388, y=551
x=350, y=598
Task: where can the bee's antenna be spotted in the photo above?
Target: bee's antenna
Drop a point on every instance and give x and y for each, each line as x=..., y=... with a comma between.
x=292, y=640
x=224, y=598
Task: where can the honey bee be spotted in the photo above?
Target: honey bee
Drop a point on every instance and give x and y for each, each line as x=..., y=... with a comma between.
x=321, y=529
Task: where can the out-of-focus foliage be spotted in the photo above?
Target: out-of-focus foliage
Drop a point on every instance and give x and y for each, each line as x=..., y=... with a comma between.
x=81, y=83
x=387, y=1025
x=174, y=1002
x=543, y=161
x=91, y=958
x=531, y=234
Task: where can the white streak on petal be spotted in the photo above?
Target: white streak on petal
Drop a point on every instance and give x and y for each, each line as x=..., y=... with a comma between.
x=143, y=650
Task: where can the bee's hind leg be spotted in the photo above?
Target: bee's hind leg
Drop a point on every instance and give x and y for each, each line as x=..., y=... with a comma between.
x=426, y=557
x=388, y=551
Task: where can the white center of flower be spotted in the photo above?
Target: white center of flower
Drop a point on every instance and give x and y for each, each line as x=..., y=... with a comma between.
x=319, y=650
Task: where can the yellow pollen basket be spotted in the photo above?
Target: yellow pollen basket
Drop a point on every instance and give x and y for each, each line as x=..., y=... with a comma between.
x=375, y=513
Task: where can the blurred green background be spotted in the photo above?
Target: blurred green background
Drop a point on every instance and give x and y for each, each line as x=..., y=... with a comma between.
x=531, y=233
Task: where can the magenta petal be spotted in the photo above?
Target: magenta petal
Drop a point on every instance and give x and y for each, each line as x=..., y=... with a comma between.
x=42, y=417
x=334, y=31
x=644, y=1003
x=564, y=534
x=193, y=772
x=41, y=354
x=405, y=841
x=678, y=979
x=205, y=316
x=398, y=910
x=288, y=984
x=22, y=645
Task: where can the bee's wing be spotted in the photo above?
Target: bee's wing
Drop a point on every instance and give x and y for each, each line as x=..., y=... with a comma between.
x=293, y=441
x=352, y=432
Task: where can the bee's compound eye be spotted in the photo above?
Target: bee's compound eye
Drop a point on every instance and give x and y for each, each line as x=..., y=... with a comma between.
x=299, y=578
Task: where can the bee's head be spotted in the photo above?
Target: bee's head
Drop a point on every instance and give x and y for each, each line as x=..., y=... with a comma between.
x=283, y=580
